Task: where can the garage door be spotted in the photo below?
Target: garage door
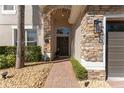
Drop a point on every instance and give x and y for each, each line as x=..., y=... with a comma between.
x=115, y=49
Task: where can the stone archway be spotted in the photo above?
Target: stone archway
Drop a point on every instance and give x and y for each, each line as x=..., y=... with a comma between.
x=53, y=17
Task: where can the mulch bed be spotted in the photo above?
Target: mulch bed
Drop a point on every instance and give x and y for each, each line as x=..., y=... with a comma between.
x=94, y=84
x=33, y=75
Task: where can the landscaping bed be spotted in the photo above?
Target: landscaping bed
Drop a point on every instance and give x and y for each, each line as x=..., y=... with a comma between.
x=80, y=72
x=94, y=84
x=82, y=76
x=33, y=75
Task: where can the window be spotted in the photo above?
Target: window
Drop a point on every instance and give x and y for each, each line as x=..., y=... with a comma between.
x=30, y=37
x=15, y=36
x=8, y=9
x=115, y=26
x=63, y=31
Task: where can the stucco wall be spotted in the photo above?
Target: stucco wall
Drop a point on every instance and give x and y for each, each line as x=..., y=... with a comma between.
x=77, y=39
x=7, y=21
x=5, y=35
x=12, y=18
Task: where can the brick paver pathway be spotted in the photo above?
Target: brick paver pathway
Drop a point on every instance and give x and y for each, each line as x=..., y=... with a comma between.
x=61, y=76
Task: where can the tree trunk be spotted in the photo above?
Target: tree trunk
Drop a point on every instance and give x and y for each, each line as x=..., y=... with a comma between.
x=20, y=37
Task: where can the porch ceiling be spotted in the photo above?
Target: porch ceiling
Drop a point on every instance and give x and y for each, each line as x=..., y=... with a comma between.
x=49, y=8
x=75, y=12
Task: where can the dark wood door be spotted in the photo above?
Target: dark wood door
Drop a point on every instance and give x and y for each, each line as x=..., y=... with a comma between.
x=63, y=46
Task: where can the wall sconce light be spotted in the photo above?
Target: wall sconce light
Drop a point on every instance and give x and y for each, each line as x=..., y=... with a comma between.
x=46, y=41
x=99, y=29
x=62, y=14
x=98, y=26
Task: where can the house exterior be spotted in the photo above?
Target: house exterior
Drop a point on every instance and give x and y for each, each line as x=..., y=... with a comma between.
x=92, y=34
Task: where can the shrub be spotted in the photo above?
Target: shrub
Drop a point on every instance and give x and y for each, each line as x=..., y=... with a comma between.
x=33, y=53
x=5, y=50
x=11, y=60
x=3, y=62
x=10, y=50
x=2, y=50
x=80, y=71
x=7, y=61
x=8, y=55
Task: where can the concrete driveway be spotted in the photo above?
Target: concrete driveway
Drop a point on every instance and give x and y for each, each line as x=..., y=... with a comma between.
x=116, y=84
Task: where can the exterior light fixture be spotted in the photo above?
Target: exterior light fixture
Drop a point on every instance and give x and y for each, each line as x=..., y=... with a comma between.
x=62, y=14
x=98, y=25
x=99, y=29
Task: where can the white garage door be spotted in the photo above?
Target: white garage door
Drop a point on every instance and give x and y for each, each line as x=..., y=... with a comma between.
x=115, y=56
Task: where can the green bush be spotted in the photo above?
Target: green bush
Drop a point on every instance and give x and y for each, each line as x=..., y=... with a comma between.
x=10, y=50
x=8, y=55
x=5, y=50
x=11, y=60
x=33, y=53
x=3, y=62
x=2, y=50
x=7, y=61
x=80, y=71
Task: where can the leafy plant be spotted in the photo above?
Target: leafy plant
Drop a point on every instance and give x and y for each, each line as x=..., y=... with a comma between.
x=10, y=50
x=80, y=71
x=3, y=62
x=33, y=53
x=11, y=60
x=2, y=50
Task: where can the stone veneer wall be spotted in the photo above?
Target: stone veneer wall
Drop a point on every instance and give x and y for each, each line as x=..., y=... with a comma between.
x=91, y=49
x=47, y=33
x=96, y=75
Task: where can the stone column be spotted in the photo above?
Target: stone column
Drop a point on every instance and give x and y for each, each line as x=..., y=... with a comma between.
x=47, y=35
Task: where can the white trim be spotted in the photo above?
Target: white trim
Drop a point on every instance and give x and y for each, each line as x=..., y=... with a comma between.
x=104, y=40
x=26, y=27
x=26, y=38
x=49, y=55
x=114, y=16
x=115, y=78
x=93, y=65
x=13, y=37
x=8, y=11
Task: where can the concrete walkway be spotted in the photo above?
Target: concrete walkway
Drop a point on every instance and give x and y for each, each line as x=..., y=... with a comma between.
x=116, y=84
x=61, y=76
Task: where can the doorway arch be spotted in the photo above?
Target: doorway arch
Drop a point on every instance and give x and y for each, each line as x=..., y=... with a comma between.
x=55, y=18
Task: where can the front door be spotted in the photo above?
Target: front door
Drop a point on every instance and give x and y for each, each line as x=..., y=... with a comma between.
x=63, y=46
